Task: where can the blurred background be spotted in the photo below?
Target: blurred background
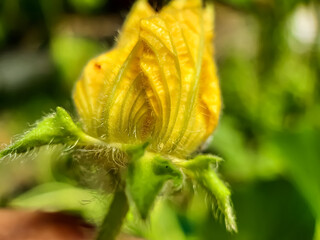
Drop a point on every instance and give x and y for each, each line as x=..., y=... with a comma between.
x=268, y=56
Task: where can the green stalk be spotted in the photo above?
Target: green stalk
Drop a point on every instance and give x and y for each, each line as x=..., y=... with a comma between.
x=317, y=231
x=112, y=222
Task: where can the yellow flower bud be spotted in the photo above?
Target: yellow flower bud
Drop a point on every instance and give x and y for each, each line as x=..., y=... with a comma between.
x=158, y=84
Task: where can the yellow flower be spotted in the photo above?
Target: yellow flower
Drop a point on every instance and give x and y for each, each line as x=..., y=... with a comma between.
x=158, y=84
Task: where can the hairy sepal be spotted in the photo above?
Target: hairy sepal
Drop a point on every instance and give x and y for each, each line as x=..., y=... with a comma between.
x=56, y=128
x=201, y=171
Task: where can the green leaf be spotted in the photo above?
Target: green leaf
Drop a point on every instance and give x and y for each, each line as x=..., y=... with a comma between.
x=300, y=152
x=165, y=224
x=57, y=128
x=56, y=196
x=71, y=53
x=199, y=169
x=146, y=177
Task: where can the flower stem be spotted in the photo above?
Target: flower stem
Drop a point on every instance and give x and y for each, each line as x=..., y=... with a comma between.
x=317, y=231
x=112, y=222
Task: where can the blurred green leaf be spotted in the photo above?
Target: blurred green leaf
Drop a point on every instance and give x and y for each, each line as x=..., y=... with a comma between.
x=70, y=54
x=301, y=152
x=230, y=143
x=2, y=33
x=164, y=224
x=55, y=196
x=265, y=210
x=86, y=6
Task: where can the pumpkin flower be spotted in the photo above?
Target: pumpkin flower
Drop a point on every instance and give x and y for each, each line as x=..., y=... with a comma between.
x=158, y=84
x=144, y=108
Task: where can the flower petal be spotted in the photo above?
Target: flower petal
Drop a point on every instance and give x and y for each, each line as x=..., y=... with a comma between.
x=101, y=94
x=180, y=76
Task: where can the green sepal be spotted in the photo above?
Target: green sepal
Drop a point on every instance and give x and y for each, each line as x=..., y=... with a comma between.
x=201, y=172
x=219, y=194
x=146, y=177
x=135, y=151
x=57, y=128
x=200, y=162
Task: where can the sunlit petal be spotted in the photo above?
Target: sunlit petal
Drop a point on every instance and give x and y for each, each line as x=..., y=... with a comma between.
x=101, y=93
